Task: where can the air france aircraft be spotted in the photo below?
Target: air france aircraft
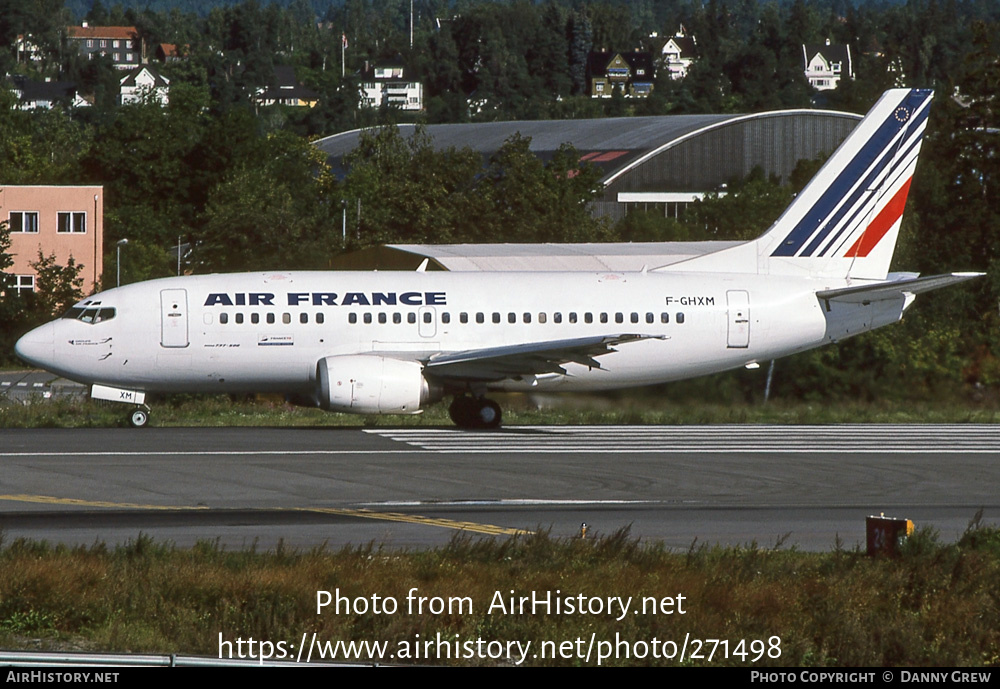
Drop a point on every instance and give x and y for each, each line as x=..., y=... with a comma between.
x=393, y=342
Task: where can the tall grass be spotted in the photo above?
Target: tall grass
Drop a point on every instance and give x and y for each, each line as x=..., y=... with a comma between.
x=935, y=604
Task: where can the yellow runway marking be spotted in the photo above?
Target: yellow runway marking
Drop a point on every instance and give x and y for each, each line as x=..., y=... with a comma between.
x=365, y=514
x=49, y=500
x=417, y=519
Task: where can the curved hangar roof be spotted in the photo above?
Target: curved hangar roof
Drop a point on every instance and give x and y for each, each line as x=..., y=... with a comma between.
x=672, y=158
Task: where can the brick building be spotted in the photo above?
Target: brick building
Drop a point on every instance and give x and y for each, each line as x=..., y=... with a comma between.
x=63, y=221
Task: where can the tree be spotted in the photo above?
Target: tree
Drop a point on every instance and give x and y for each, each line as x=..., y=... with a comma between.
x=56, y=286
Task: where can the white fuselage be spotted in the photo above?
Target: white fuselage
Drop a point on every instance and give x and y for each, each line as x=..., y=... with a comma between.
x=267, y=331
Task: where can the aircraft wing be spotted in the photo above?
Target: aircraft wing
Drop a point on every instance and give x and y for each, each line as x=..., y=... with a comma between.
x=893, y=289
x=513, y=361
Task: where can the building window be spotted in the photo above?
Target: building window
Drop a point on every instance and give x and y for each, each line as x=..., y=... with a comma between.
x=23, y=221
x=72, y=222
x=24, y=283
x=114, y=44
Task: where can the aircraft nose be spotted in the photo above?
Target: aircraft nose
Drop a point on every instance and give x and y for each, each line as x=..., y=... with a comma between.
x=36, y=347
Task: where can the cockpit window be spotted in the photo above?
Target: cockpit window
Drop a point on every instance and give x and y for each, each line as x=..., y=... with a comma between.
x=90, y=314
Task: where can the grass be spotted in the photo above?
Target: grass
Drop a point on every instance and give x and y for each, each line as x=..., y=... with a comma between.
x=634, y=409
x=934, y=605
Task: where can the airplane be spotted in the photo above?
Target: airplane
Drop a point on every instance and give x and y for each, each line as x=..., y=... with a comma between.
x=393, y=342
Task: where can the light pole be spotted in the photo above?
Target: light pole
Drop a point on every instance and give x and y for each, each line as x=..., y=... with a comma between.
x=118, y=259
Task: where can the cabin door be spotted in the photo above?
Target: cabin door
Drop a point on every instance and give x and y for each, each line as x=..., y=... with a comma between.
x=173, y=318
x=738, y=302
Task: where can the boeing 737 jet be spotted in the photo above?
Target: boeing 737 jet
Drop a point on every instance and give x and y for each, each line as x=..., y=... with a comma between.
x=393, y=342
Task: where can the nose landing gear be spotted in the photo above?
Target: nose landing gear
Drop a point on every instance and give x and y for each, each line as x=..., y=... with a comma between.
x=139, y=417
x=475, y=412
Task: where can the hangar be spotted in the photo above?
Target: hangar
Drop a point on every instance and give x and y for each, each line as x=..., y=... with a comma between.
x=650, y=162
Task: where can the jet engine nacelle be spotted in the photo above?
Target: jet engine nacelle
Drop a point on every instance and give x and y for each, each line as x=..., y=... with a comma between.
x=372, y=384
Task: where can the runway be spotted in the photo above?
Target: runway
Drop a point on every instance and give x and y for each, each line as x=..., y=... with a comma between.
x=804, y=486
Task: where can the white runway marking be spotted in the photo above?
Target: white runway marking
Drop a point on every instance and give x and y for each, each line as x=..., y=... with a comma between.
x=885, y=439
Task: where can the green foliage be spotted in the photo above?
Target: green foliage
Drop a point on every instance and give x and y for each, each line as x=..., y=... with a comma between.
x=56, y=286
x=411, y=192
x=935, y=605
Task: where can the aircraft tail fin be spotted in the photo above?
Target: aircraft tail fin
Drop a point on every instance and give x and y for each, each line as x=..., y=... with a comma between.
x=845, y=222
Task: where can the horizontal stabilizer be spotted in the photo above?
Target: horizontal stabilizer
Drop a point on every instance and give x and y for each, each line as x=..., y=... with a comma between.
x=893, y=289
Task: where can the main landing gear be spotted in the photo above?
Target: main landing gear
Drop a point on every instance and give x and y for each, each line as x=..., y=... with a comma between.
x=475, y=412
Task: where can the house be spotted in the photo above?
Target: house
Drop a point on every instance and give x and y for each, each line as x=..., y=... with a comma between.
x=45, y=94
x=825, y=64
x=141, y=83
x=387, y=84
x=677, y=54
x=26, y=50
x=286, y=90
x=630, y=73
x=121, y=43
x=64, y=221
x=171, y=52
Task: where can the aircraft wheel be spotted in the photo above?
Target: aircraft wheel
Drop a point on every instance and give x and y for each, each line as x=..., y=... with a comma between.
x=488, y=414
x=462, y=411
x=138, y=418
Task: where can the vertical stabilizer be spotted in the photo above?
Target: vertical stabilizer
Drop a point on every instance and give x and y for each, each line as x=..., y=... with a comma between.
x=844, y=224
x=846, y=220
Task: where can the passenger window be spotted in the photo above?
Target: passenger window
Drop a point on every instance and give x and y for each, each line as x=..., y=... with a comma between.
x=604, y=317
x=572, y=316
x=270, y=318
x=527, y=317
x=557, y=317
x=480, y=317
x=303, y=317
x=411, y=318
x=496, y=317
x=239, y=319
x=352, y=318
x=588, y=317
x=649, y=317
x=286, y=318
x=427, y=317
x=255, y=318
x=446, y=317
x=397, y=318
x=541, y=318
x=463, y=317
x=382, y=318
x=223, y=318
x=664, y=317
x=320, y=318
x=511, y=317
x=619, y=317
x=368, y=318
x=680, y=317
x=635, y=317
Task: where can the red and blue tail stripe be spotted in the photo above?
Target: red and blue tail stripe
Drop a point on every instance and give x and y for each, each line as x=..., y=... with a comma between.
x=871, y=180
